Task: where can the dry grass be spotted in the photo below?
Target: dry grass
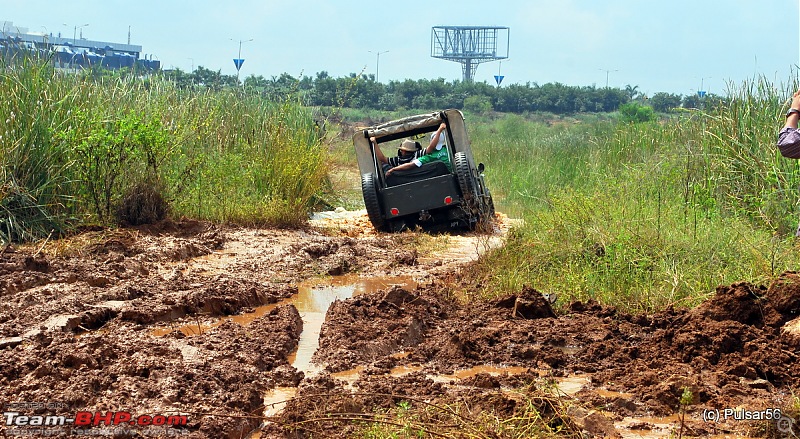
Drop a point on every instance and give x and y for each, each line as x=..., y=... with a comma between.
x=525, y=413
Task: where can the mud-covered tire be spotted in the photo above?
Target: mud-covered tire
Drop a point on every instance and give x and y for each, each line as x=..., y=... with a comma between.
x=490, y=204
x=371, y=202
x=466, y=181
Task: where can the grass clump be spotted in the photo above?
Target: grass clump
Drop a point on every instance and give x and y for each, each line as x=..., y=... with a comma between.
x=22, y=218
x=35, y=181
x=272, y=175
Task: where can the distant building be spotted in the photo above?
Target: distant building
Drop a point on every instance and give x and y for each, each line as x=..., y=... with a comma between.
x=71, y=53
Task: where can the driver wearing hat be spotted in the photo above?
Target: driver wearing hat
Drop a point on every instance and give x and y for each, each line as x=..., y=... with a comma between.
x=406, y=152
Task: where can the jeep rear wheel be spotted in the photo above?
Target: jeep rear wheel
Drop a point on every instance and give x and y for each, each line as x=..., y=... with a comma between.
x=371, y=202
x=465, y=178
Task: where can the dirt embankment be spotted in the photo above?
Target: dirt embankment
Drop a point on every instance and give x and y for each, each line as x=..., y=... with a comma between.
x=81, y=324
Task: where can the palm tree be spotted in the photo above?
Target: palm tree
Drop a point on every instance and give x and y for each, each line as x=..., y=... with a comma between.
x=630, y=90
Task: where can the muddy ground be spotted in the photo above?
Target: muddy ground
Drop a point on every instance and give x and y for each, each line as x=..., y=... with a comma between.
x=98, y=323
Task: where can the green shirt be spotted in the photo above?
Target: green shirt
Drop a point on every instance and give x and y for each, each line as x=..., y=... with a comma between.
x=437, y=154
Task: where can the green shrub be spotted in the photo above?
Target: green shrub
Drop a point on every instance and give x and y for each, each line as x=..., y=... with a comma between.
x=109, y=150
x=633, y=112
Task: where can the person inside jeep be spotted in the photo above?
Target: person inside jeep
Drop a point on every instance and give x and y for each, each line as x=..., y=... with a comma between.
x=408, y=150
x=436, y=150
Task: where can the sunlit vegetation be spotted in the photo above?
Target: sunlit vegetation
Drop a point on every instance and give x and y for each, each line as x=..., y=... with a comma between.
x=644, y=214
x=108, y=149
x=627, y=208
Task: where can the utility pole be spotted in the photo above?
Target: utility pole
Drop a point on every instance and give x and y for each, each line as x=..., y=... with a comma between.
x=378, y=64
x=239, y=61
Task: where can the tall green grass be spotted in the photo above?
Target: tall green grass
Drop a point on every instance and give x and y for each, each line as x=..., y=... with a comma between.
x=72, y=146
x=35, y=182
x=645, y=215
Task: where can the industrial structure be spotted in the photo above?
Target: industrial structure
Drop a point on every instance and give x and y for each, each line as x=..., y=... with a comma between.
x=71, y=53
x=470, y=45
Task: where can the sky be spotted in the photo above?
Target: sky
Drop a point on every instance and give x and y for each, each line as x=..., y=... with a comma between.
x=676, y=46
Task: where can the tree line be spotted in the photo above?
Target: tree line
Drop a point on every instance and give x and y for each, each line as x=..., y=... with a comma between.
x=362, y=91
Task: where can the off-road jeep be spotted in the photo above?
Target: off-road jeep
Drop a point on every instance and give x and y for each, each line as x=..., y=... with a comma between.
x=431, y=196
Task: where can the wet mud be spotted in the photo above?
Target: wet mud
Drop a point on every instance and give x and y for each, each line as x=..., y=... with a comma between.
x=737, y=350
x=204, y=321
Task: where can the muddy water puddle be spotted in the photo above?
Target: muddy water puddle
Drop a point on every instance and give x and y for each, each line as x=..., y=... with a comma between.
x=648, y=428
x=312, y=301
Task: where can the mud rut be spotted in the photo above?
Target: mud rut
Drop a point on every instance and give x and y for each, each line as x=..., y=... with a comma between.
x=202, y=320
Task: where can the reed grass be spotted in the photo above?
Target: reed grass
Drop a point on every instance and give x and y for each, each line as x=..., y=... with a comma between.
x=645, y=215
x=34, y=173
x=73, y=145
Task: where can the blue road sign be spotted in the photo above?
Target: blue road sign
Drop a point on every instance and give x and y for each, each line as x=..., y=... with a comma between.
x=701, y=93
x=238, y=63
x=499, y=78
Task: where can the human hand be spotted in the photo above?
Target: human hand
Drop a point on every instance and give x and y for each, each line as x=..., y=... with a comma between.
x=372, y=139
x=443, y=126
x=796, y=100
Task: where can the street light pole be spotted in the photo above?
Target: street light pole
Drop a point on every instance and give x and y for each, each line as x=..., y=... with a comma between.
x=607, y=70
x=378, y=64
x=75, y=32
x=45, y=37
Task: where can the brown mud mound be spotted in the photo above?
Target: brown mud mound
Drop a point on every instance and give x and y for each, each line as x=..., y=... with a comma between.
x=731, y=351
x=223, y=372
x=367, y=328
